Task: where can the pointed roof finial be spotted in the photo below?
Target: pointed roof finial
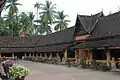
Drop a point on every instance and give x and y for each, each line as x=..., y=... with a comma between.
x=77, y=14
x=118, y=9
x=102, y=10
x=110, y=12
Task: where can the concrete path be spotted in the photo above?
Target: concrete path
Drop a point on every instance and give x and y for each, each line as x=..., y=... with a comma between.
x=41, y=71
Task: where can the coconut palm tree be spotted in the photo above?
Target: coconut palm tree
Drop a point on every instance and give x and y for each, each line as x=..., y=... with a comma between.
x=12, y=17
x=37, y=6
x=12, y=6
x=48, y=12
x=61, y=22
x=12, y=23
x=26, y=23
x=4, y=30
x=43, y=28
x=31, y=17
x=2, y=2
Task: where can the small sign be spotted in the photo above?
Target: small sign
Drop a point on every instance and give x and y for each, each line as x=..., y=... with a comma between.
x=81, y=37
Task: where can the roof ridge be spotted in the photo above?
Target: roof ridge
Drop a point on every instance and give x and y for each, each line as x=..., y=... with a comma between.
x=82, y=23
x=90, y=18
x=96, y=22
x=89, y=25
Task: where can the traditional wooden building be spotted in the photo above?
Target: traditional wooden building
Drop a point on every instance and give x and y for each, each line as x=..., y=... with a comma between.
x=103, y=42
x=85, y=25
x=92, y=37
x=54, y=44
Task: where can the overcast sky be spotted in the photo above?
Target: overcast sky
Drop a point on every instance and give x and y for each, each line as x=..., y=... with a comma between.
x=72, y=7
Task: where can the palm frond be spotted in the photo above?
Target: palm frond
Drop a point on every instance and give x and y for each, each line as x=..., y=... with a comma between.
x=67, y=21
x=6, y=7
x=17, y=4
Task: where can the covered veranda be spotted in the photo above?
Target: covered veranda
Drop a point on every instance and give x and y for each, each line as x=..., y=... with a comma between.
x=100, y=50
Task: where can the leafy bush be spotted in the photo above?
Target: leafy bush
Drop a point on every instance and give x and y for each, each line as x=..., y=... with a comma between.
x=18, y=71
x=82, y=63
x=0, y=60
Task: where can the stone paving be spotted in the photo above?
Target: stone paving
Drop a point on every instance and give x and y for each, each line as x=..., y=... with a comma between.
x=41, y=71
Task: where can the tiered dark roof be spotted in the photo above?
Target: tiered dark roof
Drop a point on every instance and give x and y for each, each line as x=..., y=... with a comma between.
x=102, y=32
x=13, y=42
x=60, y=37
x=53, y=42
x=53, y=48
x=57, y=41
x=115, y=42
x=85, y=24
x=105, y=34
x=107, y=26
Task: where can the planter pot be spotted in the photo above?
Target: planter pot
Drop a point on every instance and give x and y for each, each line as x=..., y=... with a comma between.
x=23, y=78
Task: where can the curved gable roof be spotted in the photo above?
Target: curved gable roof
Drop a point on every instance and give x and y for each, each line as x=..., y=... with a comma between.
x=89, y=22
x=108, y=26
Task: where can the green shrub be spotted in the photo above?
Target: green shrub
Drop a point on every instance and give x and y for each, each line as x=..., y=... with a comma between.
x=83, y=63
x=0, y=60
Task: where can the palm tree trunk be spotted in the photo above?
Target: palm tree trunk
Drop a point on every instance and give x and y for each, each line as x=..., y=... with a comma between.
x=60, y=28
x=37, y=15
x=0, y=15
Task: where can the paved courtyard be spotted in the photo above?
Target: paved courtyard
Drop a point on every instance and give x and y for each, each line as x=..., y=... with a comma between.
x=41, y=71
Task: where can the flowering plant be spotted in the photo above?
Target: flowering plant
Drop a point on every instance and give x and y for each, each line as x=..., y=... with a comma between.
x=9, y=63
x=18, y=71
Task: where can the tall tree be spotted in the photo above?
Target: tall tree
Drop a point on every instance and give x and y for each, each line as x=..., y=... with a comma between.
x=48, y=12
x=12, y=17
x=26, y=23
x=37, y=6
x=4, y=31
x=12, y=23
x=12, y=5
x=2, y=4
x=61, y=22
x=43, y=28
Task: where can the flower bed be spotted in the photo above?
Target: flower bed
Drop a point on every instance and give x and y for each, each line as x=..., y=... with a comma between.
x=6, y=65
x=18, y=71
x=12, y=69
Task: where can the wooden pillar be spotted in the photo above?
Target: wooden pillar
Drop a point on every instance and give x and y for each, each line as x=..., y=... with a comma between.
x=50, y=55
x=58, y=57
x=13, y=55
x=108, y=56
x=29, y=54
x=90, y=56
x=76, y=54
x=33, y=55
x=25, y=54
x=40, y=54
x=80, y=54
x=46, y=55
x=36, y=54
x=0, y=54
x=65, y=54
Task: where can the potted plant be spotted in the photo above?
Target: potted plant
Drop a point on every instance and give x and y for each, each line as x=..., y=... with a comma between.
x=19, y=72
x=6, y=65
